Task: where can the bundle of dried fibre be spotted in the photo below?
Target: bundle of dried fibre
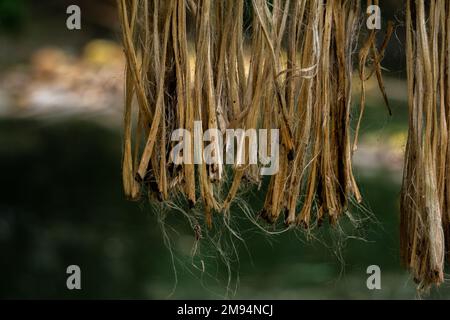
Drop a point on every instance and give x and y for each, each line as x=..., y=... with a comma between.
x=425, y=195
x=256, y=64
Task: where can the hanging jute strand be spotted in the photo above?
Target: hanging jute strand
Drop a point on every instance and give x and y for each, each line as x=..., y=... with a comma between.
x=288, y=66
x=425, y=214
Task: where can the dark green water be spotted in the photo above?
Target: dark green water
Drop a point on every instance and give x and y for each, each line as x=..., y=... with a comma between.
x=61, y=203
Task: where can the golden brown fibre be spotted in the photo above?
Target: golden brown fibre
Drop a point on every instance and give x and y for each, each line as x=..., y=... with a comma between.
x=425, y=194
x=288, y=67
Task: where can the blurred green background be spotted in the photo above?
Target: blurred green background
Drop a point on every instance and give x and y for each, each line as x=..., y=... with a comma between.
x=61, y=200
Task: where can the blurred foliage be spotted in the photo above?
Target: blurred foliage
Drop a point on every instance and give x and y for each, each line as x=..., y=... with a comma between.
x=12, y=14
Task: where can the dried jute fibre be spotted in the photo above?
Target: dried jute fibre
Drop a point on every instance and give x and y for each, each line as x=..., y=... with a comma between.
x=279, y=64
x=425, y=215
